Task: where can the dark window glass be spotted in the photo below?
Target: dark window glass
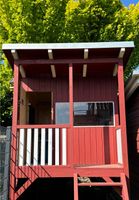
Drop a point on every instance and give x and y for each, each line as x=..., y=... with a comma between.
x=93, y=114
x=62, y=113
x=86, y=113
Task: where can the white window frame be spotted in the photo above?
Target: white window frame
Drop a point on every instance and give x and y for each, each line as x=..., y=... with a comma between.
x=97, y=125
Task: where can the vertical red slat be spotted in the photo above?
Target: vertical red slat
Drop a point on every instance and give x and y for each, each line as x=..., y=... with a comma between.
x=71, y=93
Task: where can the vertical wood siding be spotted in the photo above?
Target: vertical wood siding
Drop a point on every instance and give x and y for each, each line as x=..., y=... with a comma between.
x=133, y=142
x=86, y=145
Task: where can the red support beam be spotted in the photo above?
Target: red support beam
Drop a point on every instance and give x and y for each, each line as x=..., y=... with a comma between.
x=76, y=187
x=70, y=153
x=123, y=116
x=71, y=93
x=13, y=139
x=67, y=61
x=68, y=171
x=125, y=193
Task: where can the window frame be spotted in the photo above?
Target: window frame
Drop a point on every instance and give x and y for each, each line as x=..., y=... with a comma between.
x=89, y=126
x=96, y=125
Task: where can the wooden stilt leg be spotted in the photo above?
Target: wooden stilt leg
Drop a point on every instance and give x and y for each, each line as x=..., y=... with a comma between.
x=125, y=194
x=75, y=187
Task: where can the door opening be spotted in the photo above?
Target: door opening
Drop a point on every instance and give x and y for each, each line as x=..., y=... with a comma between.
x=39, y=111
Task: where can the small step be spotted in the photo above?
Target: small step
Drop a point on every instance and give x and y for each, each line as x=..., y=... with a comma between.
x=100, y=184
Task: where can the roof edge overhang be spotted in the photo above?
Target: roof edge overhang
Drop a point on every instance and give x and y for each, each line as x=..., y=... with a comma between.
x=99, y=47
x=83, y=45
x=132, y=84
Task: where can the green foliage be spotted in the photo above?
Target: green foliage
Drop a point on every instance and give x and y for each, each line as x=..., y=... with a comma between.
x=5, y=94
x=30, y=21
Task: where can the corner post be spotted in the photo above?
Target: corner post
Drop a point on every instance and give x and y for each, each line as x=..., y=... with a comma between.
x=122, y=113
x=14, y=132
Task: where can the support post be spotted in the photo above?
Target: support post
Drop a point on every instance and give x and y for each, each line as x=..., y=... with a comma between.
x=122, y=116
x=71, y=94
x=75, y=187
x=70, y=153
x=14, y=130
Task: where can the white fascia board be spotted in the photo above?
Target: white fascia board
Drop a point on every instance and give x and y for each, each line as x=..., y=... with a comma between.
x=84, y=45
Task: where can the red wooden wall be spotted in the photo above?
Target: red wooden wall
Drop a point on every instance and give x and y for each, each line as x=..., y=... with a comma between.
x=90, y=145
x=85, y=89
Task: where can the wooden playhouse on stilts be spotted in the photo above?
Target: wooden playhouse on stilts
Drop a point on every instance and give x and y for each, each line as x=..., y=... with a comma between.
x=68, y=117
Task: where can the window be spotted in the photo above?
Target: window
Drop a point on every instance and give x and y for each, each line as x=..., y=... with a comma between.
x=86, y=113
x=62, y=113
x=93, y=113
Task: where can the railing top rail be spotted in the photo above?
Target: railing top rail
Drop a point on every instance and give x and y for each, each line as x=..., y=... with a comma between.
x=25, y=126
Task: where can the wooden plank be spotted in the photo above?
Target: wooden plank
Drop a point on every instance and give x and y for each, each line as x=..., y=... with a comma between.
x=50, y=146
x=28, y=149
x=75, y=187
x=68, y=171
x=21, y=147
x=64, y=146
x=57, y=146
x=125, y=193
x=42, y=146
x=35, y=153
x=122, y=116
x=119, y=146
x=71, y=93
x=24, y=187
x=101, y=184
x=43, y=126
x=67, y=61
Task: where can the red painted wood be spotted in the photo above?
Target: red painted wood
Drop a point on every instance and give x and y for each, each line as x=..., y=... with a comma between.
x=122, y=116
x=71, y=94
x=43, y=126
x=125, y=194
x=13, y=141
x=101, y=184
x=68, y=171
x=93, y=145
x=67, y=61
x=76, y=196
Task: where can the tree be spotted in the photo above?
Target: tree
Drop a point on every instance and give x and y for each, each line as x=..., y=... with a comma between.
x=41, y=21
x=5, y=94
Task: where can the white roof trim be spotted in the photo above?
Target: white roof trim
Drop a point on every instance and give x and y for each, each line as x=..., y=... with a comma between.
x=132, y=84
x=85, y=45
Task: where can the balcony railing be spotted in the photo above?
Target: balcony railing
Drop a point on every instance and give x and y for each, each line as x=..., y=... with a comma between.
x=42, y=145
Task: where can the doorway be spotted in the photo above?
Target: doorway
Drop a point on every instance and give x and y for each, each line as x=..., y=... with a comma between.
x=39, y=107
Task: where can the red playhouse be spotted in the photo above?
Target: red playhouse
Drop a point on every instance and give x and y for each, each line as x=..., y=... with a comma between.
x=68, y=118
